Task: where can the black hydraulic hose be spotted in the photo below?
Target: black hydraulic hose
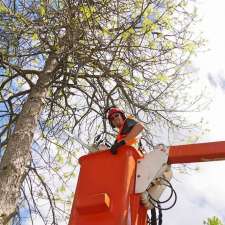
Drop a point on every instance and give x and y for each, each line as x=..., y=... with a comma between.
x=160, y=215
x=171, y=193
x=153, y=217
x=154, y=201
x=151, y=200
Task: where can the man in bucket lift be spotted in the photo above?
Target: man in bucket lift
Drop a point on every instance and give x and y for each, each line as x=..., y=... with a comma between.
x=128, y=129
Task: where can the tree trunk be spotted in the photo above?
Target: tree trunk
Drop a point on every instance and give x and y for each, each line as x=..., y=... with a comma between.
x=17, y=156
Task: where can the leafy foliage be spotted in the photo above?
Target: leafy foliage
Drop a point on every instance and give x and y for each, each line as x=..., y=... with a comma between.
x=213, y=221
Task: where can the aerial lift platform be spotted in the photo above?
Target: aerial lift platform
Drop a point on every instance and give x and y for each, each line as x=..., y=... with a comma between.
x=110, y=188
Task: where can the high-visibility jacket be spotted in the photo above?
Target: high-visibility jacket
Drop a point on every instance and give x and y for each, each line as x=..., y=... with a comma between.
x=129, y=123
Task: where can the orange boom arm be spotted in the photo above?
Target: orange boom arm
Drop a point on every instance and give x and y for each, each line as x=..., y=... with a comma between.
x=202, y=152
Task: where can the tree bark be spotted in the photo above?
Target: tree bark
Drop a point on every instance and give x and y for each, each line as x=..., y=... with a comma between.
x=17, y=157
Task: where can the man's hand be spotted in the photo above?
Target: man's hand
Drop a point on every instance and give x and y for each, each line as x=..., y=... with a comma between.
x=115, y=146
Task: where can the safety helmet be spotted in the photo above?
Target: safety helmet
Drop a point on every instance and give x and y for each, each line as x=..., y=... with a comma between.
x=113, y=110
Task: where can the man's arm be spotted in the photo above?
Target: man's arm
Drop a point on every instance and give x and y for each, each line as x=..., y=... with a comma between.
x=135, y=131
x=132, y=129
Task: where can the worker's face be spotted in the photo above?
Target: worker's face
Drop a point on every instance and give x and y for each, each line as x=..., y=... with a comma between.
x=117, y=120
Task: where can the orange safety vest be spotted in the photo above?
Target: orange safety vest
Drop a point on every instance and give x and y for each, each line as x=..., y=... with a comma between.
x=125, y=129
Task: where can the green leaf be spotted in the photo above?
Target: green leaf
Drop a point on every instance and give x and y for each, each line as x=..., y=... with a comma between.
x=69, y=162
x=56, y=48
x=105, y=31
x=167, y=22
x=148, y=11
x=128, y=33
x=34, y=37
x=168, y=45
x=3, y=8
x=138, y=79
x=138, y=3
x=213, y=221
x=130, y=85
x=56, y=169
x=148, y=25
x=7, y=72
x=126, y=72
x=190, y=47
x=62, y=189
x=162, y=78
x=59, y=158
x=42, y=10
x=66, y=175
x=125, y=35
x=152, y=45
x=73, y=174
x=21, y=18
x=183, y=3
x=87, y=11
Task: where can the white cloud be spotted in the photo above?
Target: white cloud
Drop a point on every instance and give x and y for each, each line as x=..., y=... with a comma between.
x=200, y=195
